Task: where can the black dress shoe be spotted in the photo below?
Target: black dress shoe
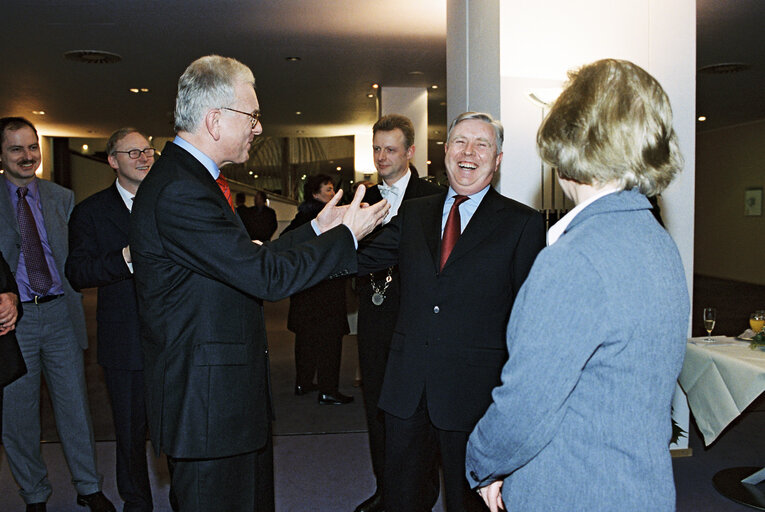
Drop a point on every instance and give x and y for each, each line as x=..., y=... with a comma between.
x=335, y=398
x=372, y=504
x=302, y=390
x=96, y=502
x=36, y=507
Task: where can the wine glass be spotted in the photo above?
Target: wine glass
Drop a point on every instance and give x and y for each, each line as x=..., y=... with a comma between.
x=710, y=315
x=757, y=320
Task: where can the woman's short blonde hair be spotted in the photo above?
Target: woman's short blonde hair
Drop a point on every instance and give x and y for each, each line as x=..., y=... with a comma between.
x=612, y=123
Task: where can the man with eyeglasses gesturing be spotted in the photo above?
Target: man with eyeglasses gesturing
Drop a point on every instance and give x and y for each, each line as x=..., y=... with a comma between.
x=201, y=281
x=99, y=256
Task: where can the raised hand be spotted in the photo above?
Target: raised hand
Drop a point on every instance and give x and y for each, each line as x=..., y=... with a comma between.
x=362, y=219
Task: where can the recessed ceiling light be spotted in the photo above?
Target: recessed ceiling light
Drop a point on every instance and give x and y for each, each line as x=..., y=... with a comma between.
x=370, y=95
x=436, y=132
x=702, y=118
x=428, y=162
x=38, y=112
x=338, y=168
x=84, y=147
x=251, y=173
x=440, y=143
x=134, y=90
x=298, y=113
x=144, y=89
x=255, y=176
x=443, y=103
x=292, y=59
x=375, y=86
x=415, y=73
x=92, y=56
x=434, y=86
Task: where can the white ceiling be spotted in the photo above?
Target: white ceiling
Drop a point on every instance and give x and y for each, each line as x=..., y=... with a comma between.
x=344, y=46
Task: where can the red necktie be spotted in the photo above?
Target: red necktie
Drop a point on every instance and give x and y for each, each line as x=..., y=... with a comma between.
x=223, y=184
x=451, y=230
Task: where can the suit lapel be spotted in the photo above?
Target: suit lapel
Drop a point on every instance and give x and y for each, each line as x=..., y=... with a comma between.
x=6, y=208
x=116, y=212
x=480, y=226
x=431, y=224
x=49, y=206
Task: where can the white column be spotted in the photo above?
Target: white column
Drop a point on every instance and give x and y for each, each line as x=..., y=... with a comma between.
x=411, y=102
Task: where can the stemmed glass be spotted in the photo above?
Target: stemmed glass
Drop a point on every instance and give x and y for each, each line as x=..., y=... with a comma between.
x=709, y=322
x=757, y=320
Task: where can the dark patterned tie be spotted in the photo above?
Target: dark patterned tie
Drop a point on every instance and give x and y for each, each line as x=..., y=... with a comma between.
x=451, y=230
x=38, y=272
x=223, y=184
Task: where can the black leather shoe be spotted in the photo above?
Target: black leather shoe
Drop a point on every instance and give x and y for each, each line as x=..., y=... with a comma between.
x=372, y=504
x=302, y=390
x=36, y=507
x=96, y=502
x=335, y=398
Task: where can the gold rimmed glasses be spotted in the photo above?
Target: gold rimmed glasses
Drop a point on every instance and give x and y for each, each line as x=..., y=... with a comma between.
x=254, y=116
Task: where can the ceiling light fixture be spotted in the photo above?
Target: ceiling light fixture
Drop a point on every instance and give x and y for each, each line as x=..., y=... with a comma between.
x=92, y=56
x=434, y=86
x=38, y=112
x=134, y=90
x=375, y=86
x=702, y=118
x=298, y=113
x=370, y=95
x=292, y=59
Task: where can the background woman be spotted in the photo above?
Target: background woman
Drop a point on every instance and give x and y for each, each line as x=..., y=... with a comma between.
x=317, y=315
x=596, y=338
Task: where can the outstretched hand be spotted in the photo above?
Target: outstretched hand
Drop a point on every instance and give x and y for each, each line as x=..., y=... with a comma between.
x=360, y=218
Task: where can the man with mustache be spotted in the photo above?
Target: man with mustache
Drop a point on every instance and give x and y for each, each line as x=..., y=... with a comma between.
x=52, y=336
x=99, y=255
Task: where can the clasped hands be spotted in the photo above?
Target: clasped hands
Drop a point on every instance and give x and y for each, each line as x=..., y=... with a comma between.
x=360, y=218
x=8, y=312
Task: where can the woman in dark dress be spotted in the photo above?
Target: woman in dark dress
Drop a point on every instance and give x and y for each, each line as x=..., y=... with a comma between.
x=317, y=315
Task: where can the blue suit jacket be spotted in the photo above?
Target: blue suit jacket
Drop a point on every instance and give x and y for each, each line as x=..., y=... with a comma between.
x=57, y=203
x=596, y=341
x=98, y=230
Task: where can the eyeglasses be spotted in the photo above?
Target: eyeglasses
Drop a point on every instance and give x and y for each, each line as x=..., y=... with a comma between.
x=134, y=154
x=254, y=117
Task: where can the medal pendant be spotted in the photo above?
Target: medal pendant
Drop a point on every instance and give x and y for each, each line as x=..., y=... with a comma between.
x=377, y=298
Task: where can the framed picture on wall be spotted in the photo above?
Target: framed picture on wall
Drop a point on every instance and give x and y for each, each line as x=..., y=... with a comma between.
x=753, y=202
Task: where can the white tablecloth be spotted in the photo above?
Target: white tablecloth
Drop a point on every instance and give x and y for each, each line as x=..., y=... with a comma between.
x=721, y=379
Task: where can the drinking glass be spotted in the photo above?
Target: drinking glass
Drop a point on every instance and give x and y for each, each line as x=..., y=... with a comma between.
x=757, y=320
x=709, y=322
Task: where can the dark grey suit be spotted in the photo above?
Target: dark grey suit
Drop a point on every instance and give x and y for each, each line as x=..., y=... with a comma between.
x=52, y=337
x=448, y=347
x=98, y=230
x=200, y=281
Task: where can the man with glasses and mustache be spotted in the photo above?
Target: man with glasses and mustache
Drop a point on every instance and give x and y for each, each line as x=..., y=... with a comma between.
x=99, y=256
x=201, y=281
x=52, y=336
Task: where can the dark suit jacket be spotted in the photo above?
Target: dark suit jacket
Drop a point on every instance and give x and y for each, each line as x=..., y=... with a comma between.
x=57, y=204
x=450, y=332
x=98, y=230
x=11, y=361
x=261, y=225
x=199, y=280
x=375, y=323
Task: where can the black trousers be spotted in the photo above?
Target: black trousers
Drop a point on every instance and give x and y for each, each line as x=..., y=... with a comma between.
x=318, y=353
x=126, y=392
x=240, y=483
x=411, y=446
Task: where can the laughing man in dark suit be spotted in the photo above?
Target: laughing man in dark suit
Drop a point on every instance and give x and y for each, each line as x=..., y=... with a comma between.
x=99, y=255
x=448, y=345
x=201, y=280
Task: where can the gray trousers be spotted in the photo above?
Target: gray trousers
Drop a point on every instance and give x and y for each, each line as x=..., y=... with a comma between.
x=50, y=349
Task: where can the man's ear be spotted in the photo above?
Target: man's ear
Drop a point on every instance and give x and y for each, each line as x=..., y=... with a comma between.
x=499, y=162
x=212, y=123
x=112, y=162
x=410, y=152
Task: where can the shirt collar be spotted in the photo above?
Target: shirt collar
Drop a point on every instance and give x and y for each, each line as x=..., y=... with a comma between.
x=557, y=229
x=126, y=196
x=203, y=159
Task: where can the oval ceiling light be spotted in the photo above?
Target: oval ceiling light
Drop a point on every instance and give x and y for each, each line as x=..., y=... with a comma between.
x=292, y=59
x=724, y=68
x=702, y=118
x=370, y=95
x=417, y=73
x=92, y=56
x=38, y=112
x=434, y=86
x=375, y=86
